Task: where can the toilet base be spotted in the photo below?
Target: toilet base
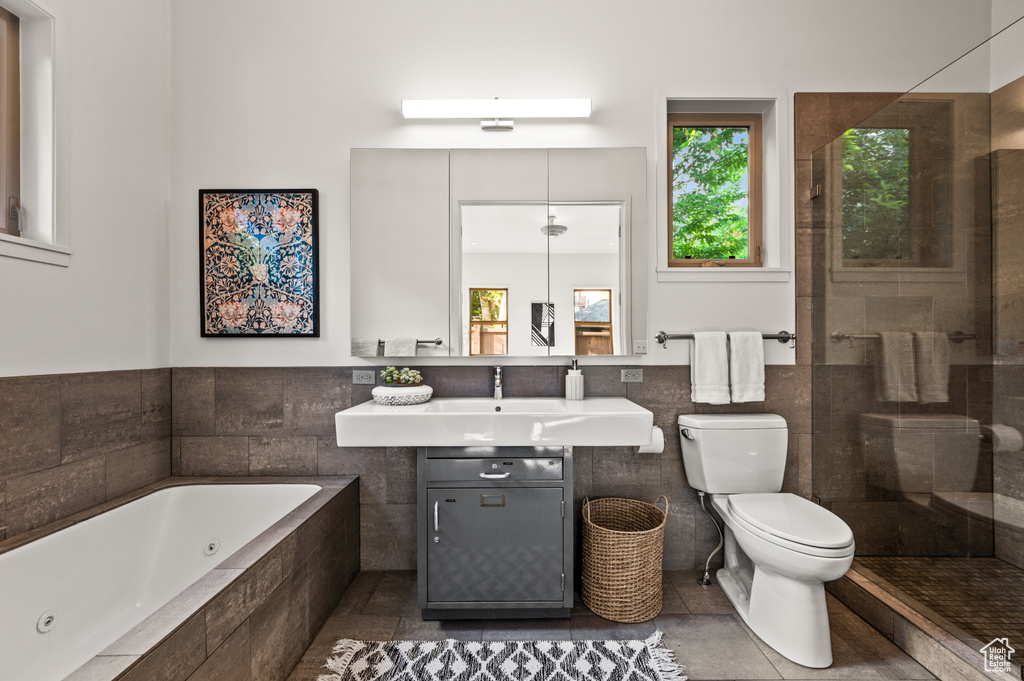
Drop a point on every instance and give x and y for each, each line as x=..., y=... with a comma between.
x=789, y=615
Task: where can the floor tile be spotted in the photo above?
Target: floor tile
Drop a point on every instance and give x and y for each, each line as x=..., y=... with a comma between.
x=416, y=629
x=847, y=663
x=595, y=628
x=699, y=600
x=359, y=593
x=526, y=630
x=714, y=647
x=395, y=596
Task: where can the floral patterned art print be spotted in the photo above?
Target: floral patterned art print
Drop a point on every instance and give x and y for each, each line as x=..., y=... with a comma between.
x=258, y=250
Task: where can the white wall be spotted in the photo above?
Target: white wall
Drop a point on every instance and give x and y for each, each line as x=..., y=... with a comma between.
x=266, y=96
x=109, y=309
x=1008, y=46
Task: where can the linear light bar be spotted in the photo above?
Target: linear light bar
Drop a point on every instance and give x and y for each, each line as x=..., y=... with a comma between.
x=496, y=108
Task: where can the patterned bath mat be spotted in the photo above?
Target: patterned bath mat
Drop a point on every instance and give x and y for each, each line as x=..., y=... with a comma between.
x=453, y=660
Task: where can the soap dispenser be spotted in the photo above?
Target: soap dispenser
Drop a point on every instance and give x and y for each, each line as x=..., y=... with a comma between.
x=574, y=382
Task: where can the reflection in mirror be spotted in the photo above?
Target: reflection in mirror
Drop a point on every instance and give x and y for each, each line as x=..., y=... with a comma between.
x=541, y=258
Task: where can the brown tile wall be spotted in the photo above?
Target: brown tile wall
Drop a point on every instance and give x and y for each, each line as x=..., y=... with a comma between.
x=68, y=442
x=280, y=421
x=843, y=381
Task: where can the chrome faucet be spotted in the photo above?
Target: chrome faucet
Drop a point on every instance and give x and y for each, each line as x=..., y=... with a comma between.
x=497, y=383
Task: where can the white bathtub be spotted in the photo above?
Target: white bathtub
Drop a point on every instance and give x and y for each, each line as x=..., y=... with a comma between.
x=99, y=578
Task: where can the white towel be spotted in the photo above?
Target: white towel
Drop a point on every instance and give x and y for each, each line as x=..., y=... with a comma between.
x=365, y=347
x=931, y=355
x=709, y=368
x=400, y=347
x=895, y=381
x=746, y=366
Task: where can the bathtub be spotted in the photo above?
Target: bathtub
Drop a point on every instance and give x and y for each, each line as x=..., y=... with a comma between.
x=102, y=595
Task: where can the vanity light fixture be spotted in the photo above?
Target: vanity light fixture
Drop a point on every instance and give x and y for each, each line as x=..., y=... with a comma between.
x=496, y=114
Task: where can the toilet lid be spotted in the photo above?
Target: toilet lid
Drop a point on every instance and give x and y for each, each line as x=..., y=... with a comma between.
x=792, y=518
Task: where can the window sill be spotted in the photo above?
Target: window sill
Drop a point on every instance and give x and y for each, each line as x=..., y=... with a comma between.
x=36, y=251
x=723, y=274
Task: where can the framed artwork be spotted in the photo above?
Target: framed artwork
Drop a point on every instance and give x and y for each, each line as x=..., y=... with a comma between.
x=258, y=263
x=542, y=324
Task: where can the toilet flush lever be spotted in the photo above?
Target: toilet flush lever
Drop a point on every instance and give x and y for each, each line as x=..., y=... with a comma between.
x=685, y=432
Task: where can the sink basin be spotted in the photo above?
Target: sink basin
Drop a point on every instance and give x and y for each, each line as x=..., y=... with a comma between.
x=511, y=422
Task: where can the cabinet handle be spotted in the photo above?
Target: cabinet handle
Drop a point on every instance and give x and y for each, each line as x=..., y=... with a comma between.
x=495, y=476
x=435, y=516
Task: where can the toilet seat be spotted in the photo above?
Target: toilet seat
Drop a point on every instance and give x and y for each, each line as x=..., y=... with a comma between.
x=793, y=522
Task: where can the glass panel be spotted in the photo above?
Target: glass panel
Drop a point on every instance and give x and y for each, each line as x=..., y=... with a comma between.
x=488, y=305
x=709, y=190
x=876, y=193
x=488, y=339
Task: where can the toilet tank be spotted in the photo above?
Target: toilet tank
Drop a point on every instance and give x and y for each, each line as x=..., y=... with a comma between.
x=734, y=453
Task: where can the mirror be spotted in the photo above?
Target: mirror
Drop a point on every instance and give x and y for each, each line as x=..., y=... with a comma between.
x=517, y=283
x=547, y=276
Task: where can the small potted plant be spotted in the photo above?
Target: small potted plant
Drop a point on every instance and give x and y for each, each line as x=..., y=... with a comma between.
x=401, y=388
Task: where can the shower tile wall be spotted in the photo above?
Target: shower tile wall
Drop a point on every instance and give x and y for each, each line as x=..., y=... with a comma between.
x=952, y=144
x=68, y=442
x=281, y=421
x=1008, y=299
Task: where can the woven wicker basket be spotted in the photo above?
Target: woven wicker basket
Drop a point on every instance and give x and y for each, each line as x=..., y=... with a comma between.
x=622, y=547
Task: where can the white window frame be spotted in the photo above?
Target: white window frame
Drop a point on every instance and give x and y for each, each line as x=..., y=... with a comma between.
x=777, y=194
x=44, y=112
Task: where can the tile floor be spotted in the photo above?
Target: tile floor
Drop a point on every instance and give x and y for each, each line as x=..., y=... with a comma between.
x=708, y=637
x=982, y=596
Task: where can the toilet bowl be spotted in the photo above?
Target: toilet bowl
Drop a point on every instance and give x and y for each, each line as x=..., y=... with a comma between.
x=779, y=548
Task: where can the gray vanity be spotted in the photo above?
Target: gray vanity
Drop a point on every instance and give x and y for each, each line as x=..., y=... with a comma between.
x=494, y=483
x=495, y=532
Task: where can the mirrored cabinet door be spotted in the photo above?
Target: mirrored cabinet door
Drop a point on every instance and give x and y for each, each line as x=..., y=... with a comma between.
x=399, y=252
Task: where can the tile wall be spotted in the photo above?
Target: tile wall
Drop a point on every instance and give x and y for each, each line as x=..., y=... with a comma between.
x=68, y=442
x=280, y=421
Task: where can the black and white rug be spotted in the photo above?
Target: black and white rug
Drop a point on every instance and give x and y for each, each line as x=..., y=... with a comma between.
x=453, y=660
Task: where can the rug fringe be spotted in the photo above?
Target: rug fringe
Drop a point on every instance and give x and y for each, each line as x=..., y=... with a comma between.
x=664, y=659
x=345, y=649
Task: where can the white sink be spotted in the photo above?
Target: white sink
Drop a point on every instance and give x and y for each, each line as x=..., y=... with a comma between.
x=483, y=421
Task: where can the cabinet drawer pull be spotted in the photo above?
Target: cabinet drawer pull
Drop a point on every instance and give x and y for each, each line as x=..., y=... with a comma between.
x=435, y=516
x=495, y=476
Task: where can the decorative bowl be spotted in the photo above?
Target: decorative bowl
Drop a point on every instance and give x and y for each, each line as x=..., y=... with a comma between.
x=398, y=395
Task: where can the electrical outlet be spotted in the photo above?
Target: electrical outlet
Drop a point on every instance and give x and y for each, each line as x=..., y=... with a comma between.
x=364, y=377
x=639, y=347
x=632, y=375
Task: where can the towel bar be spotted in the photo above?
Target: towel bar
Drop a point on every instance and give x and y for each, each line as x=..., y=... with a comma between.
x=663, y=338
x=955, y=337
x=437, y=342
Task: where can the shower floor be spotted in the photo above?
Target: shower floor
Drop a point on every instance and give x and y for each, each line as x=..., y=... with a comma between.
x=982, y=597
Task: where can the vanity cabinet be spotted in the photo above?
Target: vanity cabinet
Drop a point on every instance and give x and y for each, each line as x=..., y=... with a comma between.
x=495, y=532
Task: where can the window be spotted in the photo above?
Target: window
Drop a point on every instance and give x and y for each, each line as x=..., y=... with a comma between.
x=10, y=121
x=592, y=311
x=488, y=321
x=890, y=213
x=714, y=190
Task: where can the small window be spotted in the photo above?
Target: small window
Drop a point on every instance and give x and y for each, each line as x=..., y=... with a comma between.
x=592, y=311
x=10, y=122
x=891, y=214
x=714, y=190
x=488, y=321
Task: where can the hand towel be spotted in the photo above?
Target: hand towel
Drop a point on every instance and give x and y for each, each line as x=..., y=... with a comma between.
x=400, y=347
x=894, y=368
x=746, y=366
x=709, y=368
x=931, y=356
x=365, y=347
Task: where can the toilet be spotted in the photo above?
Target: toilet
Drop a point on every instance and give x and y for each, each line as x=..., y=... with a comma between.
x=780, y=549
